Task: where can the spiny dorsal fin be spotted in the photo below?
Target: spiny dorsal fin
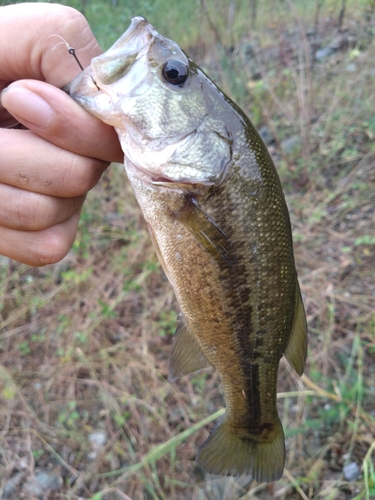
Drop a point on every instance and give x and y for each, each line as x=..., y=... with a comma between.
x=296, y=350
x=186, y=356
x=206, y=231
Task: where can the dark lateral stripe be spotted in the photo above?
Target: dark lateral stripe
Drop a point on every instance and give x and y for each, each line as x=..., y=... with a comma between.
x=236, y=274
x=253, y=380
x=235, y=277
x=249, y=350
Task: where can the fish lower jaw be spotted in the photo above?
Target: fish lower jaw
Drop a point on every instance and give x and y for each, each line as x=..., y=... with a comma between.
x=146, y=175
x=187, y=185
x=158, y=175
x=159, y=180
x=157, y=165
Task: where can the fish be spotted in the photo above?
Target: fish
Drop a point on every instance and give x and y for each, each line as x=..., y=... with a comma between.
x=215, y=209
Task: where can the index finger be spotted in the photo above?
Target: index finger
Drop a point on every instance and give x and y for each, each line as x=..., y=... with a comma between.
x=28, y=49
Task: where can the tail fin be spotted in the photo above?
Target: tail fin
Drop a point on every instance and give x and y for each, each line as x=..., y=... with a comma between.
x=231, y=454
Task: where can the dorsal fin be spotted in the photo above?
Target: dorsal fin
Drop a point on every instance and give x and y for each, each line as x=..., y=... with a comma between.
x=186, y=356
x=296, y=350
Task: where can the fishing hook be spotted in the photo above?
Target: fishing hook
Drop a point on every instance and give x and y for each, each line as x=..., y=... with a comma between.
x=72, y=52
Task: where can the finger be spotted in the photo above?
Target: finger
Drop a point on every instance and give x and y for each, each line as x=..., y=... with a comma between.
x=28, y=211
x=42, y=167
x=39, y=248
x=6, y=119
x=41, y=57
x=52, y=114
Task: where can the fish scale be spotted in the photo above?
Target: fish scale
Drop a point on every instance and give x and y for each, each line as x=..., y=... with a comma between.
x=213, y=203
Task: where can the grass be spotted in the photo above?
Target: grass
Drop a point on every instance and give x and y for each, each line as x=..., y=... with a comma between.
x=84, y=344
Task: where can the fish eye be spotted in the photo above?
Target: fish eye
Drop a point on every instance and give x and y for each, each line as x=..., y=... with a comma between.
x=175, y=72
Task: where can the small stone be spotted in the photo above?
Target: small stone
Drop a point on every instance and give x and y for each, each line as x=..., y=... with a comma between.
x=351, y=68
x=41, y=483
x=12, y=486
x=351, y=471
x=291, y=143
x=322, y=54
x=49, y=479
x=98, y=438
x=31, y=488
x=266, y=135
x=92, y=455
x=339, y=42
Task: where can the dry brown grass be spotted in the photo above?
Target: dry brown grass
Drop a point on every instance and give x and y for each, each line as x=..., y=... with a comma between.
x=85, y=344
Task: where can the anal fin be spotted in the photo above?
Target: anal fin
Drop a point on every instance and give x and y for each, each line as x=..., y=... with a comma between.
x=296, y=350
x=186, y=356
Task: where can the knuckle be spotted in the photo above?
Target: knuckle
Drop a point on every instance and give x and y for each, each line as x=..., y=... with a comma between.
x=54, y=243
x=30, y=211
x=76, y=27
x=81, y=175
x=50, y=250
x=73, y=19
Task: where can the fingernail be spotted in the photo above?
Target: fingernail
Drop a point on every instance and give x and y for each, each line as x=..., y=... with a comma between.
x=26, y=106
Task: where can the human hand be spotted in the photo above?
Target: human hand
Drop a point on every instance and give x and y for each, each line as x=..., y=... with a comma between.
x=46, y=170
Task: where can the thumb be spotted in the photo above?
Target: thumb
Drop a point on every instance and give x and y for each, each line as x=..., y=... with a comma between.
x=52, y=114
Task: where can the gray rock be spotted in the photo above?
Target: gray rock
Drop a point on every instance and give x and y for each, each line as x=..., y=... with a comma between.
x=31, y=488
x=322, y=54
x=41, y=483
x=98, y=438
x=351, y=68
x=37, y=485
x=339, y=42
x=12, y=486
x=291, y=143
x=351, y=471
x=266, y=135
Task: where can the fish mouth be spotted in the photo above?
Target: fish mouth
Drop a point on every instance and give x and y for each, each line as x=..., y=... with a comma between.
x=139, y=34
x=112, y=66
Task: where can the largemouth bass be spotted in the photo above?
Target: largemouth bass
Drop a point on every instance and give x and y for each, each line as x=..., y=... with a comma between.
x=213, y=202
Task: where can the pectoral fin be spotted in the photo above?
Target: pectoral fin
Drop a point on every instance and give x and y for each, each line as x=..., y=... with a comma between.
x=296, y=350
x=187, y=356
x=206, y=231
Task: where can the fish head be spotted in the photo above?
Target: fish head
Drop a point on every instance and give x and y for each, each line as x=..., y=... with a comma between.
x=167, y=112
